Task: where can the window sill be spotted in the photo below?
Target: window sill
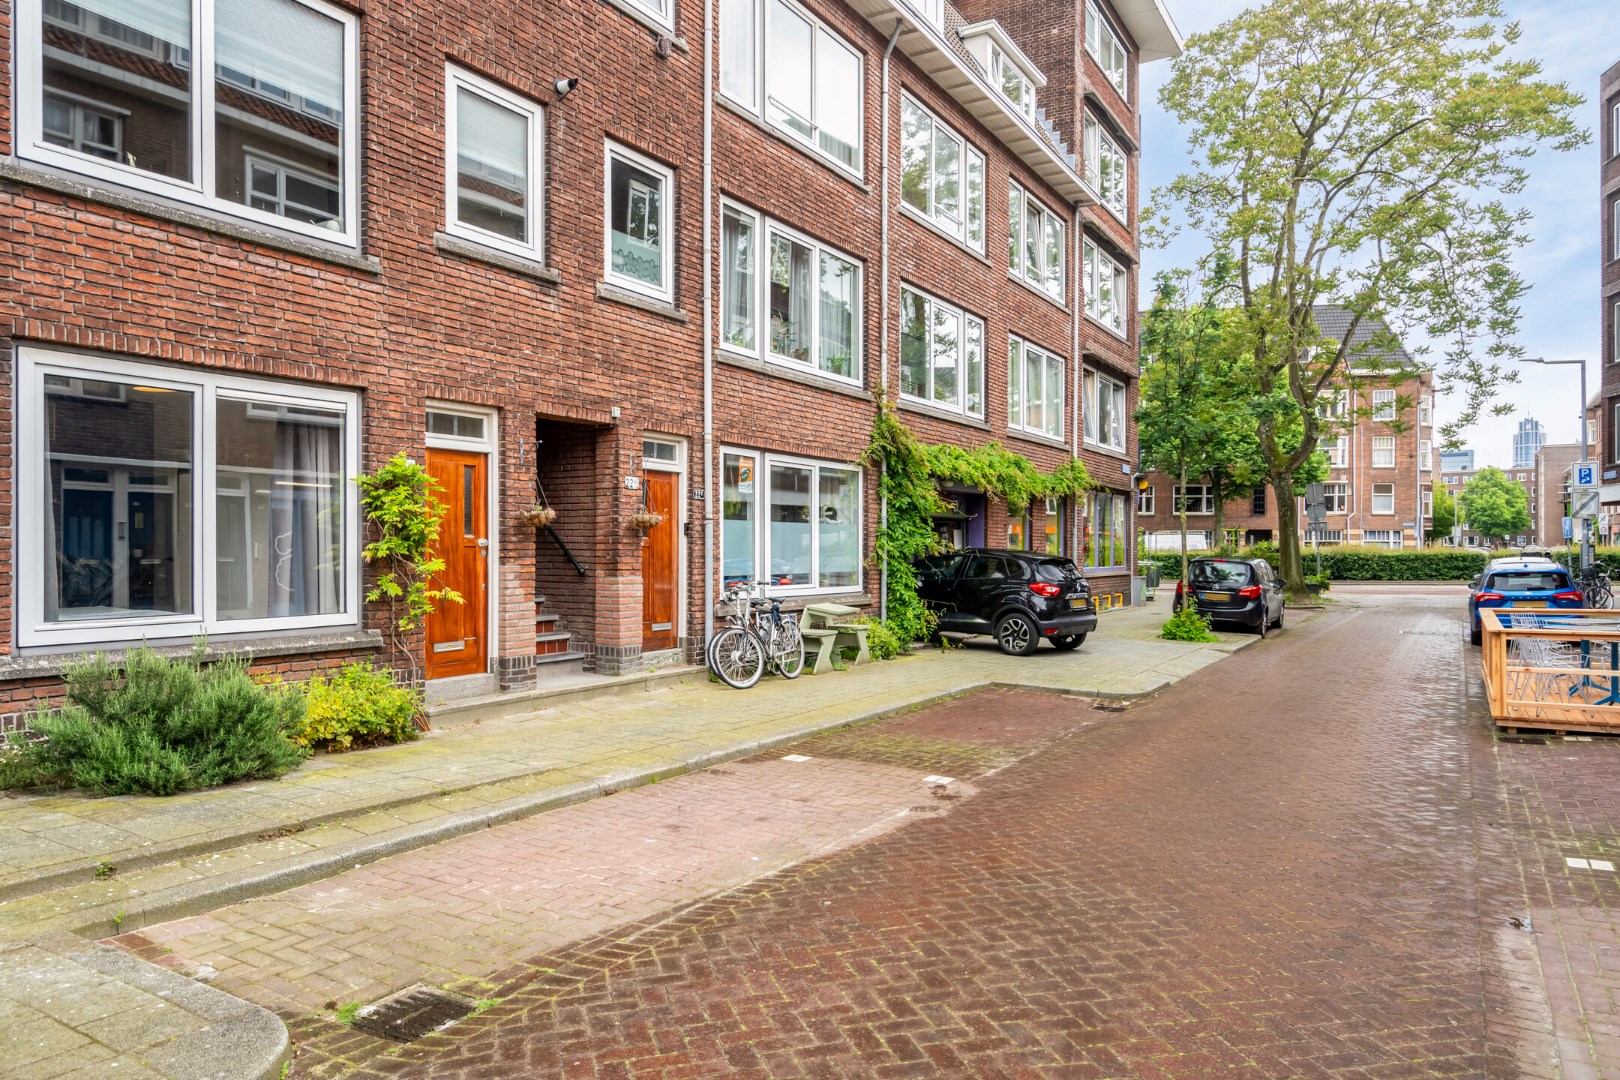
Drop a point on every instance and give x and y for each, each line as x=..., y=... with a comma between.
x=909, y=211
x=1030, y=436
x=791, y=374
x=152, y=206
x=922, y=408
x=614, y=294
x=651, y=22
x=1094, y=321
x=809, y=154
x=471, y=249
x=1098, y=448
x=38, y=665
x=1042, y=293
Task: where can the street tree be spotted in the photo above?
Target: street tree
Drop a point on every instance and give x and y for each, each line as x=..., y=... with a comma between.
x=1444, y=513
x=1360, y=153
x=1494, y=505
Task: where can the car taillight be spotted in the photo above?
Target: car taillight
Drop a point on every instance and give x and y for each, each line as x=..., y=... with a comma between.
x=1178, y=588
x=1041, y=588
x=1569, y=595
x=1252, y=592
x=1489, y=598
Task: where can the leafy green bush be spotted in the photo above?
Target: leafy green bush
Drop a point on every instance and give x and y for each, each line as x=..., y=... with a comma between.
x=1187, y=625
x=1344, y=563
x=359, y=706
x=881, y=640
x=157, y=727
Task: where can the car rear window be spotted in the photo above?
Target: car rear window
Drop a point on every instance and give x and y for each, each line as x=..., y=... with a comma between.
x=1220, y=573
x=1060, y=571
x=1527, y=580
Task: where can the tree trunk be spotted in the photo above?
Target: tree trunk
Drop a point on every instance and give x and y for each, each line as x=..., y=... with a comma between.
x=1217, y=491
x=1181, y=510
x=1290, y=564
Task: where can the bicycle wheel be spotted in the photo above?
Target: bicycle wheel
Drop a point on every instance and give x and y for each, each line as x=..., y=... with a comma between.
x=1598, y=596
x=790, y=649
x=737, y=657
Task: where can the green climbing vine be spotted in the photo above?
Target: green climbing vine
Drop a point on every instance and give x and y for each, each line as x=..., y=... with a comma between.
x=911, y=471
x=399, y=505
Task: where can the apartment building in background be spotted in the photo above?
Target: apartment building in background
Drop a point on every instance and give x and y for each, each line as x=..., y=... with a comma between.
x=1608, y=144
x=1380, y=457
x=1456, y=460
x=1529, y=437
x=1454, y=480
x=256, y=249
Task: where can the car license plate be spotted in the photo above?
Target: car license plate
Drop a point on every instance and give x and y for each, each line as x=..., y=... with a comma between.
x=1216, y=595
x=1530, y=603
x=1077, y=601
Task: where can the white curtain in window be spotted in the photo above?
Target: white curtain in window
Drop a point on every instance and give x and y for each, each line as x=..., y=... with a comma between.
x=492, y=135
x=306, y=517
x=166, y=20
x=282, y=43
x=737, y=282
x=838, y=98
x=739, y=36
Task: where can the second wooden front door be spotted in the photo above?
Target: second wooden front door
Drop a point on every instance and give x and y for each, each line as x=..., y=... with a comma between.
x=660, y=558
x=456, y=633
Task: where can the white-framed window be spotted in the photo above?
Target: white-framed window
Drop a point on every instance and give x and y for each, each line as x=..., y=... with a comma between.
x=1425, y=455
x=1472, y=540
x=1383, y=402
x=807, y=296
x=169, y=502
x=1014, y=84
x=1105, y=167
x=1614, y=130
x=1034, y=389
x=1102, y=404
x=1614, y=229
x=941, y=174
x=1383, y=498
x=1591, y=433
x=283, y=90
x=1195, y=498
x=1336, y=498
x=1338, y=452
x=1324, y=536
x=932, y=10
x=781, y=63
x=1035, y=247
x=493, y=168
x=661, y=12
x=792, y=522
x=1106, y=531
x=1144, y=500
x=1053, y=525
x=1614, y=332
x=941, y=354
x=1428, y=502
x=1106, y=47
x=1385, y=538
x=1383, y=451
x=1426, y=411
x=638, y=225
x=1336, y=407
x=1105, y=288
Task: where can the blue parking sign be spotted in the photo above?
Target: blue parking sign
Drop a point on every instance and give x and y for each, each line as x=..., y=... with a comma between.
x=1586, y=474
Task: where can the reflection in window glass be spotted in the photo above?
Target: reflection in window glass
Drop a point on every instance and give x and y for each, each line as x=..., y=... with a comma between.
x=790, y=538
x=636, y=223
x=839, y=525
x=737, y=280
x=737, y=539
x=119, y=476
x=492, y=166
x=791, y=296
x=838, y=304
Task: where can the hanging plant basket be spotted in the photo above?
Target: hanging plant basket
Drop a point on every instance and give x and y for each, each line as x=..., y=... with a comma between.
x=646, y=519
x=538, y=517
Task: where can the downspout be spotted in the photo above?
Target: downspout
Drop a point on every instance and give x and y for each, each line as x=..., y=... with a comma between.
x=883, y=305
x=1075, y=302
x=709, y=499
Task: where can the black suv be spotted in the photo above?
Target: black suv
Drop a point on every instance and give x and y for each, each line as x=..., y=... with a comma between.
x=1018, y=596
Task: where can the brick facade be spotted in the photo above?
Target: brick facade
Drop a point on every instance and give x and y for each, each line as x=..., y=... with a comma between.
x=1608, y=145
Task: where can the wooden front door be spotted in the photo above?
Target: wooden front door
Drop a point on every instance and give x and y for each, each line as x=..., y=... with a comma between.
x=660, y=551
x=456, y=633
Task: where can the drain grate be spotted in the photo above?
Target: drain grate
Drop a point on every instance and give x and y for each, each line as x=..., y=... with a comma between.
x=413, y=1013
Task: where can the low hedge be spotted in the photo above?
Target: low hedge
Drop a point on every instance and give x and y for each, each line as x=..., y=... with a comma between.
x=1345, y=563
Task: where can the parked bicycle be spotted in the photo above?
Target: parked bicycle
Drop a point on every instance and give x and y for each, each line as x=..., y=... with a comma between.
x=757, y=636
x=1596, y=591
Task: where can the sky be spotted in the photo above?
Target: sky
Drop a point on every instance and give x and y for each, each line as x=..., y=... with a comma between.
x=1576, y=40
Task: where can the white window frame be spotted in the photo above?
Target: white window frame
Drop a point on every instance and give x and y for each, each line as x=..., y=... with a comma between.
x=1018, y=266
x=1118, y=74
x=200, y=191
x=207, y=387
x=1336, y=498
x=666, y=19
x=1425, y=453
x=1144, y=500
x=759, y=105
x=963, y=319
x=1425, y=412
x=1384, y=538
x=1383, y=405
x=1098, y=146
x=1324, y=536
x=282, y=169
x=666, y=223
x=763, y=461
x=1092, y=383
x=78, y=107
x=1383, y=452
x=1428, y=503
x=1614, y=229
x=1001, y=66
x=456, y=81
x=1097, y=262
x=1018, y=403
x=1383, y=494
x=1614, y=130
x=1205, y=499
x=972, y=216
x=1338, y=452
x=1614, y=332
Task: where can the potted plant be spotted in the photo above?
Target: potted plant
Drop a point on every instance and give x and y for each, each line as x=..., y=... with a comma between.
x=542, y=513
x=646, y=519
x=1316, y=584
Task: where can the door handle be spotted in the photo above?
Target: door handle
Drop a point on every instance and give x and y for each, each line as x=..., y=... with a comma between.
x=483, y=543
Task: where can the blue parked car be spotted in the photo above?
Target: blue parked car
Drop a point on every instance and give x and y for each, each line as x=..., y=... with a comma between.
x=1523, y=582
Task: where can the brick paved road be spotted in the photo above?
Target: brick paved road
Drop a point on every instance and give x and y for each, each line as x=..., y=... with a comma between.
x=1298, y=864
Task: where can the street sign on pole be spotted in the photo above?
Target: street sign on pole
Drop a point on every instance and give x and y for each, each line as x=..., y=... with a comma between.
x=1583, y=503
x=1585, y=474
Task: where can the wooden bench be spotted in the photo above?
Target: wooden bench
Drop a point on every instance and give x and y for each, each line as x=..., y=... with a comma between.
x=825, y=643
x=836, y=617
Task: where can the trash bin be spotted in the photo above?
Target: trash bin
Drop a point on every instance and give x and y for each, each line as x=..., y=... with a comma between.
x=1138, y=590
x=1150, y=580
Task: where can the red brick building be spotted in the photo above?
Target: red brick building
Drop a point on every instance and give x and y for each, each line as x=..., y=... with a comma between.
x=613, y=260
x=1608, y=143
x=1380, y=458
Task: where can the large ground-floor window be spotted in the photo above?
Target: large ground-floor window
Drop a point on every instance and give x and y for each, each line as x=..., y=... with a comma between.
x=164, y=502
x=1105, y=531
x=792, y=522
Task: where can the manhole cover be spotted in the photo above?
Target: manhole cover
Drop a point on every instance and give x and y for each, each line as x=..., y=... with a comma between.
x=411, y=1014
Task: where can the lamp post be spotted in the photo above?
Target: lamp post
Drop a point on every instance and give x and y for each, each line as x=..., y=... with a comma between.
x=1580, y=435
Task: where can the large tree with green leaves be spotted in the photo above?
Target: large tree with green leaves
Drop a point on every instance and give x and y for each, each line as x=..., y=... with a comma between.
x=1444, y=517
x=1359, y=153
x=1494, y=505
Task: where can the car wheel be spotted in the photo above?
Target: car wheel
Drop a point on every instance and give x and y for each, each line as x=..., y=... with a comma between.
x=1068, y=642
x=1475, y=635
x=1264, y=626
x=1016, y=634
x=1278, y=624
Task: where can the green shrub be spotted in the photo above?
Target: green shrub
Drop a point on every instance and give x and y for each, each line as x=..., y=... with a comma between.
x=156, y=727
x=359, y=706
x=1345, y=563
x=1187, y=625
x=881, y=639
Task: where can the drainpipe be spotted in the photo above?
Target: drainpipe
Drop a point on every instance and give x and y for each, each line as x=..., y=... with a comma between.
x=883, y=301
x=1077, y=413
x=709, y=499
